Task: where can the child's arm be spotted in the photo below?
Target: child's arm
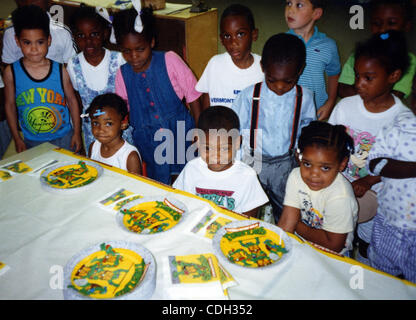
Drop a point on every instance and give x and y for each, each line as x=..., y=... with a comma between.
x=10, y=108
x=413, y=105
x=330, y=240
x=362, y=185
x=252, y=212
x=134, y=165
x=395, y=169
x=205, y=101
x=289, y=219
x=196, y=109
x=72, y=103
x=325, y=111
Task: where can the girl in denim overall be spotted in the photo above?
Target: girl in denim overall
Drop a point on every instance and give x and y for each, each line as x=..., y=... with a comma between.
x=155, y=83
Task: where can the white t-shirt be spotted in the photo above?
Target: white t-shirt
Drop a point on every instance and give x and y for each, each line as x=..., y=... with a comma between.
x=61, y=49
x=119, y=159
x=237, y=188
x=363, y=126
x=96, y=77
x=333, y=209
x=223, y=80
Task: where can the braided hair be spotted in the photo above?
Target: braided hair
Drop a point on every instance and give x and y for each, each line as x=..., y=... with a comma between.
x=323, y=134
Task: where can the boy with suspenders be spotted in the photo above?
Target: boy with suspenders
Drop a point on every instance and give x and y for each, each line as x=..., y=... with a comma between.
x=272, y=114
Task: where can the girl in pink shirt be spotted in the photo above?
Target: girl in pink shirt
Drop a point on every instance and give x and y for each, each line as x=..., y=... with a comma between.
x=155, y=83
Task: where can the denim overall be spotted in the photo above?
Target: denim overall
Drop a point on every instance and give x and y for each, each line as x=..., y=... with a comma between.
x=154, y=106
x=87, y=95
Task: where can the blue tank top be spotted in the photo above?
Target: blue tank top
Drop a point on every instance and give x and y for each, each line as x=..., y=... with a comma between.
x=41, y=106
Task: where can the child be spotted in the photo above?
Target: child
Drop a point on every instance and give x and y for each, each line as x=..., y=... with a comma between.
x=216, y=175
x=5, y=136
x=93, y=70
x=321, y=53
x=379, y=64
x=40, y=88
x=272, y=113
x=154, y=83
x=384, y=15
x=320, y=204
x=61, y=48
x=109, y=117
x=393, y=243
x=228, y=73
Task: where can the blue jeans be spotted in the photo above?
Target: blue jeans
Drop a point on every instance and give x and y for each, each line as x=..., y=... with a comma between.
x=64, y=142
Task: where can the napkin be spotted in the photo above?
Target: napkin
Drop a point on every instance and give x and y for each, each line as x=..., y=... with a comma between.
x=197, y=276
x=116, y=199
x=208, y=225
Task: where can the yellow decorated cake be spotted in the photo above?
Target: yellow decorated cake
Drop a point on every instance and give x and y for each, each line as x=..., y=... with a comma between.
x=70, y=176
x=151, y=217
x=108, y=273
x=252, y=246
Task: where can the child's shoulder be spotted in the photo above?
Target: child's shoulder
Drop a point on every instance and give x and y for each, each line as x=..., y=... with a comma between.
x=240, y=168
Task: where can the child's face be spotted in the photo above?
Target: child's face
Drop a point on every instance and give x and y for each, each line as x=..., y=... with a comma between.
x=388, y=17
x=34, y=44
x=301, y=15
x=106, y=125
x=372, y=80
x=319, y=167
x=137, y=51
x=218, y=150
x=89, y=37
x=281, y=78
x=237, y=37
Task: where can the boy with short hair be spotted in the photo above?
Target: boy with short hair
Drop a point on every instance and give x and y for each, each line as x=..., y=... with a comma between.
x=385, y=15
x=62, y=47
x=38, y=91
x=228, y=73
x=321, y=53
x=216, y=175
x=272, y=114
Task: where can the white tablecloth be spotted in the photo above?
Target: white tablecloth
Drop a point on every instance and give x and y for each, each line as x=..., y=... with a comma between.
x=41, y=231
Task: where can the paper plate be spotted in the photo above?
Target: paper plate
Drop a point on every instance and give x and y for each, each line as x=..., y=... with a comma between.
x=71, y=176
x=252, y=245
x=111, y=270
x=151, y=215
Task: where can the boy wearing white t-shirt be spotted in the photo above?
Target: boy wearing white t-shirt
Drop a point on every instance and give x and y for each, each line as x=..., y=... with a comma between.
x=216, y=175
x=228, y=73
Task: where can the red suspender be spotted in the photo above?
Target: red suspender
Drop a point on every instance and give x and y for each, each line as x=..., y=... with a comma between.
x=255, y=116
x=296, y=117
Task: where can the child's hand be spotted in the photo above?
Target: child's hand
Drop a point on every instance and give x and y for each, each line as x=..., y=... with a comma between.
x=20, y=145
x=325, y=111
x=361, y=186
x=289, y=219
x=76, y=142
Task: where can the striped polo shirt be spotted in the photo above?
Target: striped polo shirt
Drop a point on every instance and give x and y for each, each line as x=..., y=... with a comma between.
x=321, y=57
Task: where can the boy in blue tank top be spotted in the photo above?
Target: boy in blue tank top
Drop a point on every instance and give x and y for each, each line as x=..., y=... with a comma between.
x=38, y=92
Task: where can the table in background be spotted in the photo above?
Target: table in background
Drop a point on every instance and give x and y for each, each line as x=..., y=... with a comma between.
x=40, y=230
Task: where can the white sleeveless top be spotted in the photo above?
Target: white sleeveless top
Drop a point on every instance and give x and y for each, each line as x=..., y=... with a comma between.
x=119, y=159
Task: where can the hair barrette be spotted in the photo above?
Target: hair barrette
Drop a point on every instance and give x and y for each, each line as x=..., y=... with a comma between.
x=384, y=36
x=98, y=113
x=84, y=115
x=138, y=24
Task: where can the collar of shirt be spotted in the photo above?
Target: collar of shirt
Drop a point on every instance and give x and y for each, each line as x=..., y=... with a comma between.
x=315, y=36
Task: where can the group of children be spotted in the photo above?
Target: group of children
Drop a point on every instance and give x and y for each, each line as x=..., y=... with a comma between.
x=259, y=121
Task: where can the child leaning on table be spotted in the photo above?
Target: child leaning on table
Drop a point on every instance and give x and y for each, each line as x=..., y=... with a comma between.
x=273, y=112
x=39, y=94
x=393, y=242
x=109, y=117
x=228, y=73
x=319, y=203
x=216, y=175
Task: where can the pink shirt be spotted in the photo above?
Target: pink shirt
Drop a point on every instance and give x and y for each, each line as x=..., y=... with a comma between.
x=181, y=77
